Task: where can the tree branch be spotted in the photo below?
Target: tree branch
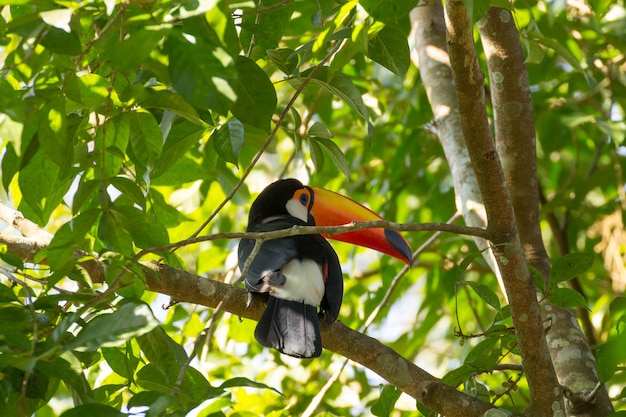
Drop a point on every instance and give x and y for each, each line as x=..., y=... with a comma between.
x=546, y=393
x=369, y=352
x=431, y=57
x=515, y=134
x=186, y=287
x=328, y=231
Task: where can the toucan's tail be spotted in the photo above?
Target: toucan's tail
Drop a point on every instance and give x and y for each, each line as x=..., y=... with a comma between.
x=291, y=327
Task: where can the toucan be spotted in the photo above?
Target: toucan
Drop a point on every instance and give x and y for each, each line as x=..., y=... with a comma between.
x=301, y=273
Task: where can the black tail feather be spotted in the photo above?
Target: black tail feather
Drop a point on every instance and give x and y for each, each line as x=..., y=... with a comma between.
x=291, y=327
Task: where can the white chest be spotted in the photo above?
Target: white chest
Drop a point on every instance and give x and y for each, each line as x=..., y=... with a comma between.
x=304, y=282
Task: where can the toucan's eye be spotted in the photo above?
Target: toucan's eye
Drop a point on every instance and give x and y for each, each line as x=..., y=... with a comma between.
x=304, y=199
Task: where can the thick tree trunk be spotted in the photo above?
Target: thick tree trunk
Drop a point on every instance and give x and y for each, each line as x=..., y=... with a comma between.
x=515, y=147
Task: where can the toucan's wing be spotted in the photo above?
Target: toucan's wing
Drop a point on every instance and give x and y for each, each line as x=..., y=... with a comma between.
x=333, y=295
x=265, y=267
x=273, y=255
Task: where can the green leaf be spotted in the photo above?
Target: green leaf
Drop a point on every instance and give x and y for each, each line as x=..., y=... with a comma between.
x=256, y=96
x=69, y=370
x=112, y=139
x=540, y=282
x=169, y=100
x=89, y=89
x=61, y=42
x=534, y=52
x=335, y=154
x=245, y=382
x=113, y=236
x=134, y=49
x=69, y=238
x=10, y=258
x=456, y=376
x=146, y=138
x=161, y=350
x=193, y=390
x=7, y=295
x=610, y=355
x=10, y=163
x=485, y=293
x=560, y=48
x=122, y=360
x=567, y=298
x=570, y=266
x=340, y=86
x=285, y=59
x=617, y=306
x=204, y=74
x=93, y=410
x=52, y=132
x=317, y=155
x=503, y=4
x=485, y=355
x=132, y=319
x=391, y=50
x=388, y=11
x=228, y=140
x=158, y=403
x=144, y=230
x=12, y=108
x=179, y=140
x=476, y=9
x=385, y=405
x=42, y=189
x=319, y=130
x=267, y=27
x=130, y=189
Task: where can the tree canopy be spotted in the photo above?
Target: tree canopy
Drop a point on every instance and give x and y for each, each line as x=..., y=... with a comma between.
x=135, y=135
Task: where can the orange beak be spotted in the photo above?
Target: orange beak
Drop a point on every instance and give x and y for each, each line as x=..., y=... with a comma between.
x=332, y=209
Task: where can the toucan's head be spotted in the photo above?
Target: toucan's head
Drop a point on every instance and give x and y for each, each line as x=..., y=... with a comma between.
x=317, y=206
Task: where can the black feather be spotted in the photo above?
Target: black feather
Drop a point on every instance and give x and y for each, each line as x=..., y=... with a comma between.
x=290, y=327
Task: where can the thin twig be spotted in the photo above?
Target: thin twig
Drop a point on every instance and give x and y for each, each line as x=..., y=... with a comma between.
x=328, y=231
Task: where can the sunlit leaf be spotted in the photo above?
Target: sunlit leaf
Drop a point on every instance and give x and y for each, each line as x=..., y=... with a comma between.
x=390, y=49
x=130, y=320
x=204, y=75
x=132, y=51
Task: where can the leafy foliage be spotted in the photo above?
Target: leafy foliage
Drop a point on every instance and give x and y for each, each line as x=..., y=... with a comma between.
x=126, y=125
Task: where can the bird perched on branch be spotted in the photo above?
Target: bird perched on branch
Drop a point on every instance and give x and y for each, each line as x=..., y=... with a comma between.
x=301, y=273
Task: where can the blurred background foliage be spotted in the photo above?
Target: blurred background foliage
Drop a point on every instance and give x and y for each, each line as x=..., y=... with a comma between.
x=127, y=125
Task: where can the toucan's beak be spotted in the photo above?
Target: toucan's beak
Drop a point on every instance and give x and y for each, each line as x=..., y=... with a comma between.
x=332, y=209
